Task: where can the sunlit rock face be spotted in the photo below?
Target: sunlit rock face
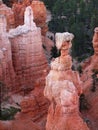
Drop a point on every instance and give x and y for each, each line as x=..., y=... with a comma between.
x=7, y=75
x=29, y=60
x=4, y=10
x=63, y=88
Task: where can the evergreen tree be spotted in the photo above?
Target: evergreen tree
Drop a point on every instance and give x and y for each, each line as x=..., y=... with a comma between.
x=77, y=16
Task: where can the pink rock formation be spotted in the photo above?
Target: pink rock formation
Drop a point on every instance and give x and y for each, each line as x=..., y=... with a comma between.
x=7, y=74
x=48, y=45
x=40, y=15
x=18, y=9
x=29, y=60
x=63, y=88
x=39, y=10
x=31, y=68
x=34, y=106
x=9, y=15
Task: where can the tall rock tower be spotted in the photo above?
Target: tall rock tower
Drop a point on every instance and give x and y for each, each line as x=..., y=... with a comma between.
x=63, y=88
x=29, y=60
x=7, y=74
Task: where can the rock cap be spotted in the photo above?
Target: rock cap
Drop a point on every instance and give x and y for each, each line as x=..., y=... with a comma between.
x=62, y=37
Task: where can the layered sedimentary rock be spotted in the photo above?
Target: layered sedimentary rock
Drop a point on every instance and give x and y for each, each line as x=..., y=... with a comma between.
x=7, y=74
x=39, y=11
x=34, y=106
x=31, y=68
x=63, y=88
x=29, y=60
x=4, y=10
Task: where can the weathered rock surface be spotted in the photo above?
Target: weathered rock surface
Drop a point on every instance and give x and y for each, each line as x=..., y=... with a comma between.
x=31, y=66
x=7, y=74
x=34, y=106
x=18, y=9
x=4, y=10
x=63, y=88
x=40, y=15
x=39, y=10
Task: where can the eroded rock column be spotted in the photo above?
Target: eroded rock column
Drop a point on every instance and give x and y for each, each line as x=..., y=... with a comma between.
x=63, y=88
x=29, y=60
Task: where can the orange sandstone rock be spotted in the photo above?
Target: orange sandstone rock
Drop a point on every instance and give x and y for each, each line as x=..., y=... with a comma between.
x=63, y=88
x=34, y=106
x=18, y=9
x=19, y=125
x=29, y=60
x=31, y=68
x=7, y=74
x=4, y=10
x=39, y=11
